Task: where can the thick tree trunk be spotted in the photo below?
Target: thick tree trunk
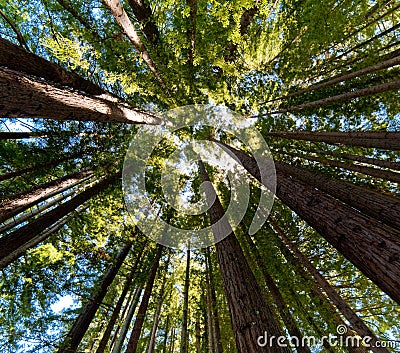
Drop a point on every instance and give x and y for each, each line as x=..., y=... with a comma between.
x=383, y=207
x=216, y=330
x=374, y=172
x=123, y=20
x=37, y=167
x=114, y=316
x=381, y=88
x=27, y=199
x=380, y=140
x=184, y=333
x=251, y=316
x=287, y=318
x=372, y=247
x=143, y=14
x=124, y=330
x=88, y=312
x=356, y=323
x=25, y=234
x=24, y=96
x=18, y=59
x=137, y=328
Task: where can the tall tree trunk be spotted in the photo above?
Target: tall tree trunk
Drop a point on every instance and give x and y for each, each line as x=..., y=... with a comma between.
x=137, y=328
x=124, y=330
x=214, y=307
x=345, y=77
x=166, y=330
x=251, y=316
x=27, y=199
x=184, y=333
x=380, y=140
x=287, y=318
x=18, y=59
x=383, y=207
x=356, y=323
x=362, y=159
x=114, y=316
x=23, y=235
x=37, y=167
x=381, y=88
x=372, y=247
x=143, y=14
x=210, y=321
x=88, y=312
x=374, y=172
x=123, y=20
x=156, y=321
x=24, y=96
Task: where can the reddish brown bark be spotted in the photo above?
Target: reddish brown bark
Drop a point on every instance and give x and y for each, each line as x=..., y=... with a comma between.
x=24, y=96
x=251, y=316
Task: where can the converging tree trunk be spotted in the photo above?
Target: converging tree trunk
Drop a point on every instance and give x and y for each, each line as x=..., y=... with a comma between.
x=88, y=312
x=137, y=328
x=184, y=333
x=251, y=316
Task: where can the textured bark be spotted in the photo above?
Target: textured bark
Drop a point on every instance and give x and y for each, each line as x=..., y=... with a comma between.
x=380, y=140
x=137, y=328
x=34, y=168
x=383, y=207
x=374, y=172
x=371, y=246
x=24, y=96
x=143, y=14
x=114, y=316
x=19, y=237
x=184, y=333
x=381, y=88
x=357, y=323
x=88, y=312
x=216, y=330
x=124, y=330
x=18, y=59
x=250, y=314
x=27, y=199
x=278, y=299
x=123, y=20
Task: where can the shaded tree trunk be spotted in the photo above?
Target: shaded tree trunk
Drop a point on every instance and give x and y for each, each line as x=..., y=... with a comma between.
x=18, y=59
x=356, y=323
x=216, y=330
x=88, y=312
x=381, y=88
x=124, y=330
x=383, y=207
x=283, y=308
x=137, y=328
x=165, y=338
x=380, y=140
x=24, y=96
x=114, y=316
x=250, y=314
x=27, y=199
x=25, y=234
x=372, y=247
x=184, y=333
x=374, y=172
